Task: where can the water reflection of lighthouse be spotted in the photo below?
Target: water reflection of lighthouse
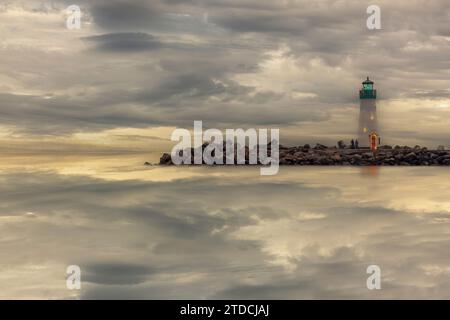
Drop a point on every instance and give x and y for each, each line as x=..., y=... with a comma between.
x=368, y=122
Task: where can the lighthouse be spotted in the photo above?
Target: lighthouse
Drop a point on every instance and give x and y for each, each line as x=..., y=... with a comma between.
x=368, y=122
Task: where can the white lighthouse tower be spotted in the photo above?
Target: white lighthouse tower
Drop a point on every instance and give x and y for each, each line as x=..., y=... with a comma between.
x=368, y=122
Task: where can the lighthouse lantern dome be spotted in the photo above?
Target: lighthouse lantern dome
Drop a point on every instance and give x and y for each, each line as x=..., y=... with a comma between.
x=368, y=91
x=368, y=84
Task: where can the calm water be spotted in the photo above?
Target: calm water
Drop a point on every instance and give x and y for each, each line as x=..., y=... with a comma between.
x=200, y=232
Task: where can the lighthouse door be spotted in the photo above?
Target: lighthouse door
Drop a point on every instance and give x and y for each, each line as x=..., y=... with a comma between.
x=373, y=138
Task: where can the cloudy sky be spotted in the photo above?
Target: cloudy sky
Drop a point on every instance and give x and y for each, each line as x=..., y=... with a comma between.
x=137, y=69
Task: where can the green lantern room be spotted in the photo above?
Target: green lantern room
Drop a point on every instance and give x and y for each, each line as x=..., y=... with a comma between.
x=367, y=91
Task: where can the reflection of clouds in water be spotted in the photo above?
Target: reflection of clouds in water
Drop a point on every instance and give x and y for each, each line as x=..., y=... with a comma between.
x=306, y=233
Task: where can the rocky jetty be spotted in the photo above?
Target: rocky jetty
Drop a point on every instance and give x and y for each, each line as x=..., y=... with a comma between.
x=342, y=155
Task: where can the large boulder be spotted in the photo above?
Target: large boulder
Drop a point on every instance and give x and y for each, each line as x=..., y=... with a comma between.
x=165, y=159
x=341, y=144
x=320, y=147
x=410, y=157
